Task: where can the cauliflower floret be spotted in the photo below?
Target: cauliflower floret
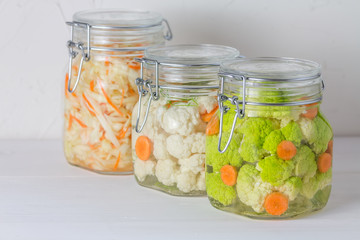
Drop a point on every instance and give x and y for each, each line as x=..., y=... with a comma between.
x=230, y=156
x=177, y=147
x=217, y=190
x=255, y=130
x=275, y=170
x=292, y=132
x=195, y=163
x=160, y=151
x=186, y=181
x=305, y=163
x=197, y=142
x=200, y=181
x=291, y=187
x=166, y=171
x=207, y=104
x=316, y=183
x=180, y=120
x=143, y=169
x=272, y=141
x=317, y=133
x=251, y=190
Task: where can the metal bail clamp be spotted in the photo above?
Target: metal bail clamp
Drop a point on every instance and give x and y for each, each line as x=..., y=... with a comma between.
x=72, y=53
x=141, y=84
x=168, y=35
x=240, y=113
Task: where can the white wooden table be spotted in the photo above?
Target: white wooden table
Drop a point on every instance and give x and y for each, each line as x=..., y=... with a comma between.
x=42, y=197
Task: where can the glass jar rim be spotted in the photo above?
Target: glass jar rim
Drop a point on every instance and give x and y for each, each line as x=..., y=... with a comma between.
x=272, y=68
x=118, y=18
x=191, y=54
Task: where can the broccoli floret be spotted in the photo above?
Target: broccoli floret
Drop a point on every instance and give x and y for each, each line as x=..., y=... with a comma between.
x=292, y=132
x=251, y=190
x=231, y=156
x=316, y=183
x=305, y=164
x=275, y=170
x=272, y=141
x=317, y=133
x=254, y=131
x=216, y=189
x=291, y=187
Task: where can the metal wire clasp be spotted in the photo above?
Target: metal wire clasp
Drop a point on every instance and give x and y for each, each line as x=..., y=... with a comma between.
x=240, y=113
x=85, y=51
x=141, y=84
x=168, y=35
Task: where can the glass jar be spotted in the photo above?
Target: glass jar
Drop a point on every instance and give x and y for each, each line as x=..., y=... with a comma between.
x=100, y=90
x=177, y=98
x=272, y=156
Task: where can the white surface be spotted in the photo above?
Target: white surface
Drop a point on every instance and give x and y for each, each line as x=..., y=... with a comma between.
x=34, y=56
x=42, y=197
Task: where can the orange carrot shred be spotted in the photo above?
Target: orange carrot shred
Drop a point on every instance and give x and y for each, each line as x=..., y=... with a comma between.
x=108, y=98
x=83, y=125
x=117, y=161
x=70, y=121
x=92, y=85
x=89, y=106
x=134, y=65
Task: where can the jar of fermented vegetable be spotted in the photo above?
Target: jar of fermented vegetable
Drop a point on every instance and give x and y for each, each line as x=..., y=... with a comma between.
x=177, y=97
x=269, y=148
x=100, y=89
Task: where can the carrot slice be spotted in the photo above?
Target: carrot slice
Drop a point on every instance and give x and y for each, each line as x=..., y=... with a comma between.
x=324, y=162
x=276, y=203
x=108, y=99
x=228, y=175
x=330, y=147
x=117, y=161
x=286, y=150
x=212, y=127
x=310, y=113
x=123, y=131
x=206, y=117
x=143, y=147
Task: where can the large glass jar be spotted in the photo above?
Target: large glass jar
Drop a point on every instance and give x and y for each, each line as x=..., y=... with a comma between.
x=272, y=156
x=177, y=98
x=100, y=90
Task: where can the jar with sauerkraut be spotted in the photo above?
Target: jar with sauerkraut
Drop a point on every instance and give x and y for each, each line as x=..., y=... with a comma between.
x=100, y=89
x=269, y=148
x=177, y=97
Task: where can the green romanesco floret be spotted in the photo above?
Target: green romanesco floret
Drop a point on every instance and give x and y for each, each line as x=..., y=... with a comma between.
x=272, y=141
x=291, y=187
x=251, y=190
x=217, y=190
x=230, y=156
x=254, y=131
x=305, y=164
x=316, y=183
x=275, y=170
x=317, y=133
x=292, y=132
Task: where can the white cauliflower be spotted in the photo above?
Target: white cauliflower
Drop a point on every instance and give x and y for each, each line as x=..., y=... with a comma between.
x=197, y=142
x=206, y=104
x=166, y=171
x=160, y=151
x=177, y=147
x=195, y=163
x=200, y=185
x=186, y=181
x=180, y=120
x=143, y=169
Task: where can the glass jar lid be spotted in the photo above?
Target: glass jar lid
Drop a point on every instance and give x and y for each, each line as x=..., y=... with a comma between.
x=273, y=81
x=118, y=18
x=191, y=54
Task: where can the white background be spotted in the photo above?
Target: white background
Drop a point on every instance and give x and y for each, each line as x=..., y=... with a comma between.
x=33, y=56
